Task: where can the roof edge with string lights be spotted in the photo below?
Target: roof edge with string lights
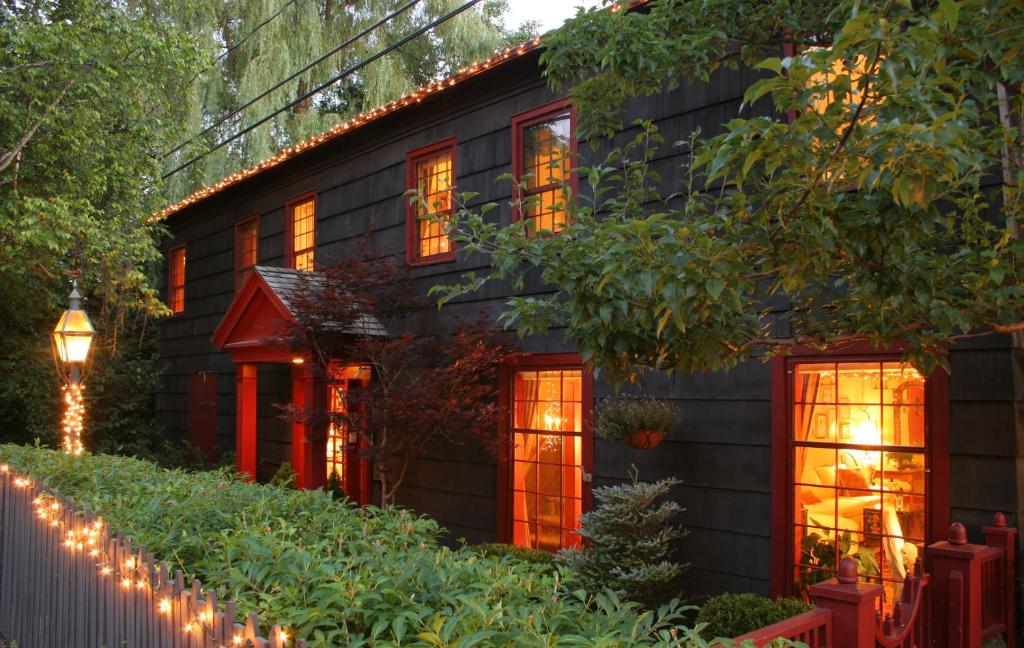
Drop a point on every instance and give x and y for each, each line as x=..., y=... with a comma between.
x=287, y=153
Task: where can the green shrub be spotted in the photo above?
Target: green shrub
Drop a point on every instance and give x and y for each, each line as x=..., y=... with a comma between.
x=731, y=615
x=525, y=554
x=339, y=575
x=628, y=542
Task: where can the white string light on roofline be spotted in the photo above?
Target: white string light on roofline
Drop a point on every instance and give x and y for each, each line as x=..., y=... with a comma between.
x=132, y=574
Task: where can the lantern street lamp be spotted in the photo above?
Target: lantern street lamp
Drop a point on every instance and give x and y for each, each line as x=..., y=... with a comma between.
x=72, y=341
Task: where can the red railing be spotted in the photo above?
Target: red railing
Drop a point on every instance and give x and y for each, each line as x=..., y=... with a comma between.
x=968, y=599
x=905, y=626
x=813, y=628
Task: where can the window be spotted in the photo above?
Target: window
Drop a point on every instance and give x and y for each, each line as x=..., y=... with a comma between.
x=431, y=172
x=247, y=236
x=301, y=232
x=340, y=438
x=859, y=443
x=543, y=150
x=176, y=279
x=547, y=457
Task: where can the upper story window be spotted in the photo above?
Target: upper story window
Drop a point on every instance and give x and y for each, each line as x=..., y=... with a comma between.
x=301, y=232
x=430, y=171
x=543, y=151
x=176, y=279
x=247, y=236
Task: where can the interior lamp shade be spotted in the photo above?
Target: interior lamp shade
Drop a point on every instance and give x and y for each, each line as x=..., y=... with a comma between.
x=72, y=337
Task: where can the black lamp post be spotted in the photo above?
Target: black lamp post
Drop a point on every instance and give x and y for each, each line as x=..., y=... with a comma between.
x=72, y=341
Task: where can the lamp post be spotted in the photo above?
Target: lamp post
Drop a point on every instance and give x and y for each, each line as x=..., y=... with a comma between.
x=72, y=341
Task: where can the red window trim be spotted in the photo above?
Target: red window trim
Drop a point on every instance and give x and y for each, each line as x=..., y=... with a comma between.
x=171, y=252
x=505, y=464
x=519, y=123
x=936, y=422
x=289, y=226
x=411, y=231
x=255, y=218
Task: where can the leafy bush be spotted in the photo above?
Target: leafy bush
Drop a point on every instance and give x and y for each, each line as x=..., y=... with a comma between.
x=338, y=575
x=629, y=542
x=731, y=615
x=525, y=554
x=617, y=418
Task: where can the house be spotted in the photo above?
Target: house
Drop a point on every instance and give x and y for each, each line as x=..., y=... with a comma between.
x=780, y=459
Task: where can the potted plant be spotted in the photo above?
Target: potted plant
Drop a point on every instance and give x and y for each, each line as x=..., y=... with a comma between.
x=641, y=422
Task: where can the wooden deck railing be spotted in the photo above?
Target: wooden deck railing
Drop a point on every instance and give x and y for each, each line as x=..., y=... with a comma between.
x=67, y=582
x=969, y=598
x=813, y=628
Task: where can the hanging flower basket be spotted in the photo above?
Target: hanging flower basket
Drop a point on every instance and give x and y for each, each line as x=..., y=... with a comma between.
x=639, y=422
x=644, y=439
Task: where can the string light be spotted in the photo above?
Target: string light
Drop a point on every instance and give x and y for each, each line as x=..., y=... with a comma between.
x=415, y=96
x=48, y=509
x=74, y=413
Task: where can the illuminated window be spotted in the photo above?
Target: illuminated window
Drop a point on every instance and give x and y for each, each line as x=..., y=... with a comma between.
x=340, y=437
x=176, y=279
x=860, y=464
x=302, y=233
x=431, y=173
x=547, y=473
x=821, y=101
x=247, y=234
x=544, y=143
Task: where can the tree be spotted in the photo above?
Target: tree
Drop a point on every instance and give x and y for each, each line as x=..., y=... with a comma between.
x=423, y=390
x=253, y=44
x=856, y=197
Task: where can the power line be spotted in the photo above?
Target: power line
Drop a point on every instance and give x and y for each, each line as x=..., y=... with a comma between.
x=245, y=38
x=354, y=68
x=293, y=76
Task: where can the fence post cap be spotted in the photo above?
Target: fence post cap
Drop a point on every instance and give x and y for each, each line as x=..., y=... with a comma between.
x=847, y=571
x=957, y=534
x=999, y=520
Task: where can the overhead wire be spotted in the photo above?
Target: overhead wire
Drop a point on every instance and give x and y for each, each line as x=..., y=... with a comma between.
x=293, y=76
x=347, y=72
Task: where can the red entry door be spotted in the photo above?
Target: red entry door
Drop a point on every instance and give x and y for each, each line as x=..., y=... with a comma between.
x=346, y=460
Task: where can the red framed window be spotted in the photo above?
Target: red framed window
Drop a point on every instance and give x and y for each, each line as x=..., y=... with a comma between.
x=176, y=279
x=865, y=470
x=300, y=232
x=543, y=163
x=550, y=461
x=430, y=171
x=247, y=237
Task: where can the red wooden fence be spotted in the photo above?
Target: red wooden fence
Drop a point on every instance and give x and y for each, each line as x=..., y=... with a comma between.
x=67, y=582
x=969, y=598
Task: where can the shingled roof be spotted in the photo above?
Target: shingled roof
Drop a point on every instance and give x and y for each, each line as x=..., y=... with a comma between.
x=287, y=282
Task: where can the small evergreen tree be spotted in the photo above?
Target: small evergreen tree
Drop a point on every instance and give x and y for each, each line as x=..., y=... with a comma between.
x=628, y=542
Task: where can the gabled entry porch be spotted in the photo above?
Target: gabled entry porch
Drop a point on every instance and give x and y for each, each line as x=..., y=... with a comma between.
x=255, y=330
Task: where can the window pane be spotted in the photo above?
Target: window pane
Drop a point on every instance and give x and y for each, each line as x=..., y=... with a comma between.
x=858, y=491
x=547, y=166
x=176, y=279
x=547, y=458
x=435, y=180
x=303, y=223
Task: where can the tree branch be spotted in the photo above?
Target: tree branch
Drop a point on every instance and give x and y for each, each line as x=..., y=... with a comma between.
x=9, y=156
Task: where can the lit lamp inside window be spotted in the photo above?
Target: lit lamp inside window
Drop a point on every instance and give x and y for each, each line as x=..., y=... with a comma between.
x=72, y=341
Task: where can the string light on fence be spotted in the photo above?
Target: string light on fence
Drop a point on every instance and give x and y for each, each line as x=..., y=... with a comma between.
x=131, y=573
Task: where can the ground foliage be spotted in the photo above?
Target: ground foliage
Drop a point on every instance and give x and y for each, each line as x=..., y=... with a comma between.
x=732, y=615
x=856, y=197
x=342, y=575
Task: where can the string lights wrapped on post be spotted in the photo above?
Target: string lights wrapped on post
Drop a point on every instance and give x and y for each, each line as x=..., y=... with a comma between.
x=72, y=341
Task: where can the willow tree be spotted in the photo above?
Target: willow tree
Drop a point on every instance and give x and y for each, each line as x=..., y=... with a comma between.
x=255, y=44
x=873, y=193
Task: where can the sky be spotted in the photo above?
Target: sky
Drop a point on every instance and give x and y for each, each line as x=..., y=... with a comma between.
x=550, y=13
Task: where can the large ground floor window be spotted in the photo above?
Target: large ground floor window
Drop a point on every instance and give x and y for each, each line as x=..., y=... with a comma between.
x=859, y=453
x=548, y=468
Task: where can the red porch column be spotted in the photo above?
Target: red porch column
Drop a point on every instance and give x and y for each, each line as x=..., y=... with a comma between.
x=956, y=590
x=245, y=419
x=300, y=443
x=315, y=389
x=1004, y=537
x=852, y=604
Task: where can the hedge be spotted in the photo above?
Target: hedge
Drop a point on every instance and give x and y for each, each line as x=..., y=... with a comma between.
x=341, y=575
